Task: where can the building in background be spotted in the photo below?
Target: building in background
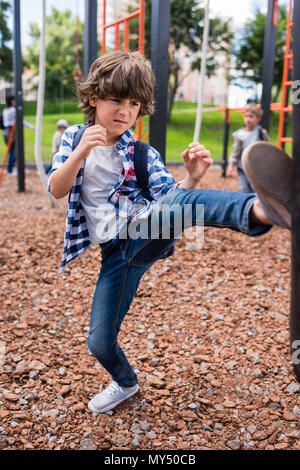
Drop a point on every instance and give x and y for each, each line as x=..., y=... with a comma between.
x=6, y=89
x=30, y=85
x=216, y=86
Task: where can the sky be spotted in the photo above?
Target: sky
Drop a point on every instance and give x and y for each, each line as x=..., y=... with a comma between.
x=31, y=12
x=238, y=10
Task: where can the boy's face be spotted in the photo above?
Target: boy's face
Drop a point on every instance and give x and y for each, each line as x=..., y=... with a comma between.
x=251, y=120
x=116, y=115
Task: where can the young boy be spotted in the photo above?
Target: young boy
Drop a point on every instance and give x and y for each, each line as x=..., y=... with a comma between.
x=61, y=126
x=244, y=137
x=105, y=201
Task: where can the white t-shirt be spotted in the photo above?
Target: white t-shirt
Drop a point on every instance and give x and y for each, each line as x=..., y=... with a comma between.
x=247, y=138
x=9, y=116
x=101, y=173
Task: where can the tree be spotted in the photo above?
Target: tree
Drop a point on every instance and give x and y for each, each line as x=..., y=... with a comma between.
x=186, y=29
x=5, y=37
x=249, y=52
x=60, y=53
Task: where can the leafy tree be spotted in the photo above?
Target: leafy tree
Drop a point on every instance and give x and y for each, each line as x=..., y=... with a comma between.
x=250, y=50
x=5, y=37
x=186, y=29
x=60, y=53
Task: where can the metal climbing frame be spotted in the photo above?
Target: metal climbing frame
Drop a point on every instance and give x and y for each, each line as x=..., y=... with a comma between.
x=268, y=61
x=126, y=22
x=286, y=82
x=18, y=67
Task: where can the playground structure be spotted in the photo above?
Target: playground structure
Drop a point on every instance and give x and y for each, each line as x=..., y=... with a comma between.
x=140, y=14
x=286, y=83
x=159, y=57
x=283, y=107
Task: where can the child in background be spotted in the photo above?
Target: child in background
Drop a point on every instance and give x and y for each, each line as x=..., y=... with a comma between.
x=252, y=132
x=9, y=118
x=99, y=176
x=61, y=126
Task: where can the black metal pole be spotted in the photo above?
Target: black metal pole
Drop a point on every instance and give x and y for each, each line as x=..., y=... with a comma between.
x=17, y=63
x=268, y=64
x=295, y=285
x=90, y=35
x=160, y=26
x=225, y=142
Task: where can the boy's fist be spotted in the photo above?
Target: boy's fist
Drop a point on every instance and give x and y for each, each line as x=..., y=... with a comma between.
x=92, y=136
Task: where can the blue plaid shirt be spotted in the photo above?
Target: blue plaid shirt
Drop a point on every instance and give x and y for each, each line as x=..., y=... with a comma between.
x=125, y=196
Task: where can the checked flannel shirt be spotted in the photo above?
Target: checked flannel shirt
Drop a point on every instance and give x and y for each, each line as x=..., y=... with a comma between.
x=125, y=196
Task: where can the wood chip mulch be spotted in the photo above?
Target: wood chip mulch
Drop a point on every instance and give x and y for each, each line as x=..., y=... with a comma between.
x=208, y=333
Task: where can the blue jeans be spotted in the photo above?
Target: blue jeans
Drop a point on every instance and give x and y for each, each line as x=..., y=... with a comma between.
x=11, y=158
x=124, y=261
x=12, y=152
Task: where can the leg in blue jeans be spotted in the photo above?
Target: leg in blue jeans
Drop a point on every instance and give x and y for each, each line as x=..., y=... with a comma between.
x=116, y=287
x=124, y=261
x=11, y=158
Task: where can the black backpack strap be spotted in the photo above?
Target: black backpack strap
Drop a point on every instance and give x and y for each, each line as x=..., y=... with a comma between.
x=140, y=159
x=79, y=134
x=260, y=133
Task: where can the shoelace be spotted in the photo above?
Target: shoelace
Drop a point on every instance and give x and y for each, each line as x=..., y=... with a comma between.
x=113, y=388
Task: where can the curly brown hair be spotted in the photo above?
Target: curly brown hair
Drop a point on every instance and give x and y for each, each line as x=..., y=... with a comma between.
x=122, y=75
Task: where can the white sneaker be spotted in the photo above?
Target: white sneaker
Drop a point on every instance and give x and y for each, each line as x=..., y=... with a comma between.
x=111, y=397
x=14, y=172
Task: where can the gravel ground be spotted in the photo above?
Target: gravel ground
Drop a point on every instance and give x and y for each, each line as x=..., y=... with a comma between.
x=208, y=333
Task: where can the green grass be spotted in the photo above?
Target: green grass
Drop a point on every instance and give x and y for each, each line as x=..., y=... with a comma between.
x=179, y=134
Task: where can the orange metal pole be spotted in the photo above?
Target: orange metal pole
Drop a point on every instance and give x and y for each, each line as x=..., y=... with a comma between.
x=117, y=37
x=103, y=28
x=126, y=36
x=275, y=16
x=142, y=27
x=121, y=20
x=288, y=56
x=140, y=129
x=11, y=136
x=116, y=24
x=141, y=50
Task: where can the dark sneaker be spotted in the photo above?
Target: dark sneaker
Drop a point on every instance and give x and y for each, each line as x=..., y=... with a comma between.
x=111, y=397
x=269, y=170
